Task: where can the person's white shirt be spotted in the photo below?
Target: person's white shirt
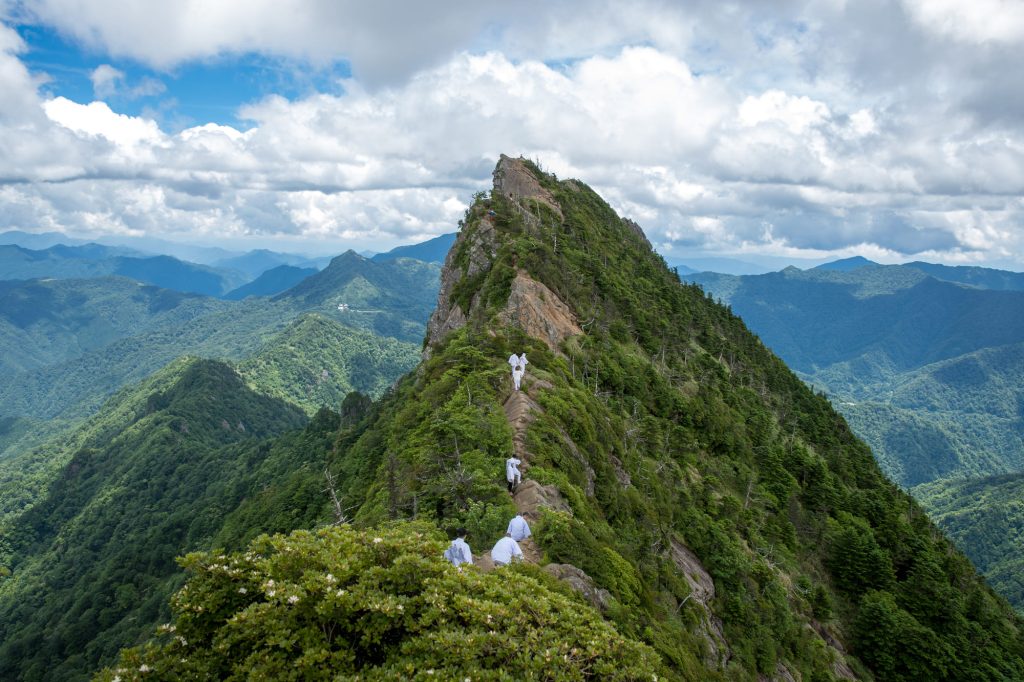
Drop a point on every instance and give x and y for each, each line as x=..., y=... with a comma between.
x=512, y=469
x=461, y=554
x=523, y=362
x=504, y=550
x=513, y=360
x=518, y=528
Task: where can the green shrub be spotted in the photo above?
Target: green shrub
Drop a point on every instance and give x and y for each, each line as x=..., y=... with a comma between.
x=345, y=604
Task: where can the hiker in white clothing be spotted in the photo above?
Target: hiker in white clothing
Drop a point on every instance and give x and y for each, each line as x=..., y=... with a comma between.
x=458, y=552
x=517, y=376
x=513, y=360
x=505, y=550
x=518, y=528
x=523, y=362
x=512, y=473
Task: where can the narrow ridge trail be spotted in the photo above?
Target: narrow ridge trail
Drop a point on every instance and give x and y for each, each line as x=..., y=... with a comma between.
x=521, y=409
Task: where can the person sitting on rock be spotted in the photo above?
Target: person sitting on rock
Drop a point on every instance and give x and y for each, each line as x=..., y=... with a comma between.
x=518, y=528
x=505, y=550
x=458, y=552
x=517, y=376
x=512, y=473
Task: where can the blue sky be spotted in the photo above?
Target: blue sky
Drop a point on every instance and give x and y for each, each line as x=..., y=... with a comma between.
x=192, y=93
x=798, y=129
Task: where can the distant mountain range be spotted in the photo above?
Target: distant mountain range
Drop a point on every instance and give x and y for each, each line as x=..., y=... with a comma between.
x=271, y=282
x=255, y=263
x=94, y=260
x=432, y=251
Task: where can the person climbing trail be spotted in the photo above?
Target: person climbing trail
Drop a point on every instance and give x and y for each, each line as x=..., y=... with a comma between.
x=458, y=552
x=505, y=550
x=518, y=528
x=517, y=376
x=513, y=361
x=512, y=473
x=523, y=362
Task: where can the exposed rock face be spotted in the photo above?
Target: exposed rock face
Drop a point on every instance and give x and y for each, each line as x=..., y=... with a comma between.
x=539, y=312
x=621, y=474
x=481, y=247
x=531, y=496
x=582, y=583
x=702, y=591
x=637, y=229
x=702, y=585
x=840, y=668
x=781, y=674
x=514, y=180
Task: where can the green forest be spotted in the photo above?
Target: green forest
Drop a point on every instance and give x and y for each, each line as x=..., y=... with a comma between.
x=734, y=522
x=926, y=363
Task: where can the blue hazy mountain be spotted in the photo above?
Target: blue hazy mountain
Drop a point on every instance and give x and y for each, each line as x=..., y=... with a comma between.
x=96, y=260
x=271, y=282
x=432, y=251
x=847, y=264
x=255, y=263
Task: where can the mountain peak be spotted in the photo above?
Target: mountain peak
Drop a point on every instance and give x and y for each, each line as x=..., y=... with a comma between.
x=847, y=264
x=501, y=268
x=517, y=179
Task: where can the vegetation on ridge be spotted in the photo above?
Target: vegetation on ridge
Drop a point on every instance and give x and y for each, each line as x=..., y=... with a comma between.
x=681, y=446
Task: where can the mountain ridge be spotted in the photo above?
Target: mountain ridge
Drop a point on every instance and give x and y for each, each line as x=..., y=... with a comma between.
x=722, y=515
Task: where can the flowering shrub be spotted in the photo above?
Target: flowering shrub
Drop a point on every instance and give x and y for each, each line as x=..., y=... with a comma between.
x=341, y=603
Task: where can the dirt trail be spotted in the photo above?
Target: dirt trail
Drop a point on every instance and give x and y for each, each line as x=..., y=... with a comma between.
x=521, y=409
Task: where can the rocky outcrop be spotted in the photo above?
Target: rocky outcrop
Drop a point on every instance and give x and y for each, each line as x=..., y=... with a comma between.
x=840, y=668
x=582, y=583
x=702, y=591
x=781, y=674
x=530, y=496
x=477, y=248
x=539, y=312
x=633, y=227
x=514, y=180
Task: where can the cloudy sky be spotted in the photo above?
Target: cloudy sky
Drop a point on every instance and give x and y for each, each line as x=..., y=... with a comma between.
x=891, y=129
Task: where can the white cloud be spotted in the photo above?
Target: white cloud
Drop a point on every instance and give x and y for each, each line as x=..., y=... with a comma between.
x=796, y=127
x=98, y=120
x=105, y=79
x=973, y=21
x=796, y=114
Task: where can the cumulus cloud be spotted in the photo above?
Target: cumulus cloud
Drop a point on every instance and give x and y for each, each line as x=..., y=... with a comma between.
x=787, y=127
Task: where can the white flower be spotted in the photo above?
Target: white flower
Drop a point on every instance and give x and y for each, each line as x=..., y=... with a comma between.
x=331, y=578
x=242, y=590
x=341, y=593
x=270, y=583
x=375, y=541
x=117, y=678
x=294, y=599
x=182, y=640
x=144, y=668
x=271, y=593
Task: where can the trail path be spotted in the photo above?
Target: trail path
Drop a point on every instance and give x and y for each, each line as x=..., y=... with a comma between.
x=521, y=409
